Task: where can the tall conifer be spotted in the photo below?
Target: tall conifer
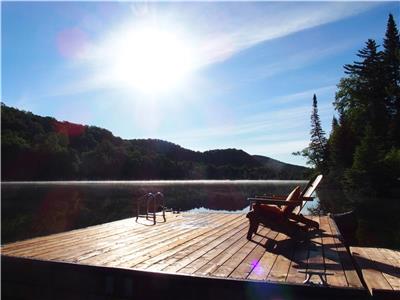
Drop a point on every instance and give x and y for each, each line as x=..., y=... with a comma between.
x=316, y=152
x=391, y=58
x=363, y=96
x=318, y=141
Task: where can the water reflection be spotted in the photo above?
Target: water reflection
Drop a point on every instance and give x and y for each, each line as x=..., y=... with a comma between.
x=40, y=208
x=207, y=210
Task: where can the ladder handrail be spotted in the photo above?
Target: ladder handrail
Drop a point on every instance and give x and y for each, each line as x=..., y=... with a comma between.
x=153, y=201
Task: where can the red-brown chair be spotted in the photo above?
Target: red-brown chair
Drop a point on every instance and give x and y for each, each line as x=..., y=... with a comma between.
x=282, y=213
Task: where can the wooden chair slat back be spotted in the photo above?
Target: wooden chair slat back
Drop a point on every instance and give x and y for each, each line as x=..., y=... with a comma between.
x=307, y=192
x=311, y=186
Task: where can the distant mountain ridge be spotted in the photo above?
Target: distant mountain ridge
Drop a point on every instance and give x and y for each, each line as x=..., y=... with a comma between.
x=43, y=148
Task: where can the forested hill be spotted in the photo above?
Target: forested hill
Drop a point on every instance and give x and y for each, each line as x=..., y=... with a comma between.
x=42, y=148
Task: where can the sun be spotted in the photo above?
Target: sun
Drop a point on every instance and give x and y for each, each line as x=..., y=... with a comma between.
x=150, y=60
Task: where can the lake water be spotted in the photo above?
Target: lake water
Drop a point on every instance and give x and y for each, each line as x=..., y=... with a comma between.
x=39, y=208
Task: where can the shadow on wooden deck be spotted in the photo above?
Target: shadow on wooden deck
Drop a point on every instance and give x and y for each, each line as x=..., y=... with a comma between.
x=191, y=256
x=34, y=279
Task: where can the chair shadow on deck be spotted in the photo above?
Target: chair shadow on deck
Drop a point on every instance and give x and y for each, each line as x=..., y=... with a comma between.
x=332, y=254
x=292, y=241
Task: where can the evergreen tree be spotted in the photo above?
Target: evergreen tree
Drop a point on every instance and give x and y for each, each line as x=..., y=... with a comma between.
x=318, y=143
x=316, y=152
x=364, y=176
x=363, y=94
x=391, y=58
x=341, y=145
x=364, y=144
x=335, y=123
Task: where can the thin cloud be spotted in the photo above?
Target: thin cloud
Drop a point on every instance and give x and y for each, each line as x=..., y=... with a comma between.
x=296, y=97
x=279, y=122
x=219, y=31
x=295, y=61
x=240, y=26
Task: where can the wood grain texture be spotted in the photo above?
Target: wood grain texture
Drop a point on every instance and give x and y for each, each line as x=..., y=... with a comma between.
x=348, y=267
x=379, y=267
x=333, y=265
x=207, y=244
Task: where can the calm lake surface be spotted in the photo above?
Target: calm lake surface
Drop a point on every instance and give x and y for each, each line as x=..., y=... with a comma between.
x=32, y=209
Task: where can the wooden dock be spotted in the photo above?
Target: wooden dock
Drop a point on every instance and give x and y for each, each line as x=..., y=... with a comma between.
x=380, y=270
x=199, y=253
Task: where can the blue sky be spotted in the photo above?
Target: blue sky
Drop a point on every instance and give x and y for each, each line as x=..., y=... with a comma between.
x=201, y=75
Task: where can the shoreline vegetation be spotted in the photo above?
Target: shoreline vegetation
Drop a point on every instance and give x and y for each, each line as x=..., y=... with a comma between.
x=360, y=159
x=36, y=148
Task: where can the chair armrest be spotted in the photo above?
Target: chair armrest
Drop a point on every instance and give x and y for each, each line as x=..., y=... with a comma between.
x=277, y=197
x=274, y=201
x=307, y=198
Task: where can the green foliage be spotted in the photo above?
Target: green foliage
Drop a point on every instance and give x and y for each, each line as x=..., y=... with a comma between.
x=37, y=148
x=341, y=145
x=364, y=93
x=364, y=158
x=366, y=174
x=391, y=58
x=317, y=151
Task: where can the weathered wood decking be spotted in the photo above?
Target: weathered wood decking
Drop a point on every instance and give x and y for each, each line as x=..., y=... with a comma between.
x=380, y=270
x=202, y=245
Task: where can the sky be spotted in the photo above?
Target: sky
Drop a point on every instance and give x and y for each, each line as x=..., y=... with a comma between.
x=204, y=75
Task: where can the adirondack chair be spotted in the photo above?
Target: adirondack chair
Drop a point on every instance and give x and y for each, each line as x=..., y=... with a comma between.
x=282, y=213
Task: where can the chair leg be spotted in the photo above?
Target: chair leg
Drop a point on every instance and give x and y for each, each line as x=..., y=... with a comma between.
x=253, y=227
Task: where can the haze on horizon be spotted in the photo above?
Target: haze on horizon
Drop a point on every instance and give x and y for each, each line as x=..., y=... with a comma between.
x=201, y=75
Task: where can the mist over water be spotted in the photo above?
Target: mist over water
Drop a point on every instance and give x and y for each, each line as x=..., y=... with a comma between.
x=158, y=182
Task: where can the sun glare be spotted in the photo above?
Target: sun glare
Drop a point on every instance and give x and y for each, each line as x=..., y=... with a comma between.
x=150, y=60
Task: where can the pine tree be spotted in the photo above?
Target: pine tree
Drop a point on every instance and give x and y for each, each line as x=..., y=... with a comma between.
x=391, y=59
x=316, y=152
x=341, y=145
x=318, y=144
x=365, y=175
x=361, y=96
x=335, y=123
x=364, y=144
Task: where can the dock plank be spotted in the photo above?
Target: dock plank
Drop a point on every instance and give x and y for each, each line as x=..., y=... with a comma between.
x=18, y=248
x=205, y=245
x=266, y=262
x=284, y=246
x=298, y=263
x=352, y=278
x=149, y=237
x=102, y=242
x=98, y=244
x=127, y=253
x=212, y=260
x=379, y=274
x=389, y=268
x=164, y=258
x=333, y=265
x=86, y=235
x=315, y=261
x=251, y=260
x=234, y=261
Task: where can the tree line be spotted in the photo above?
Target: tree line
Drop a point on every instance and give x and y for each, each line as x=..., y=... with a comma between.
x=361, y=157
x=42, y=148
